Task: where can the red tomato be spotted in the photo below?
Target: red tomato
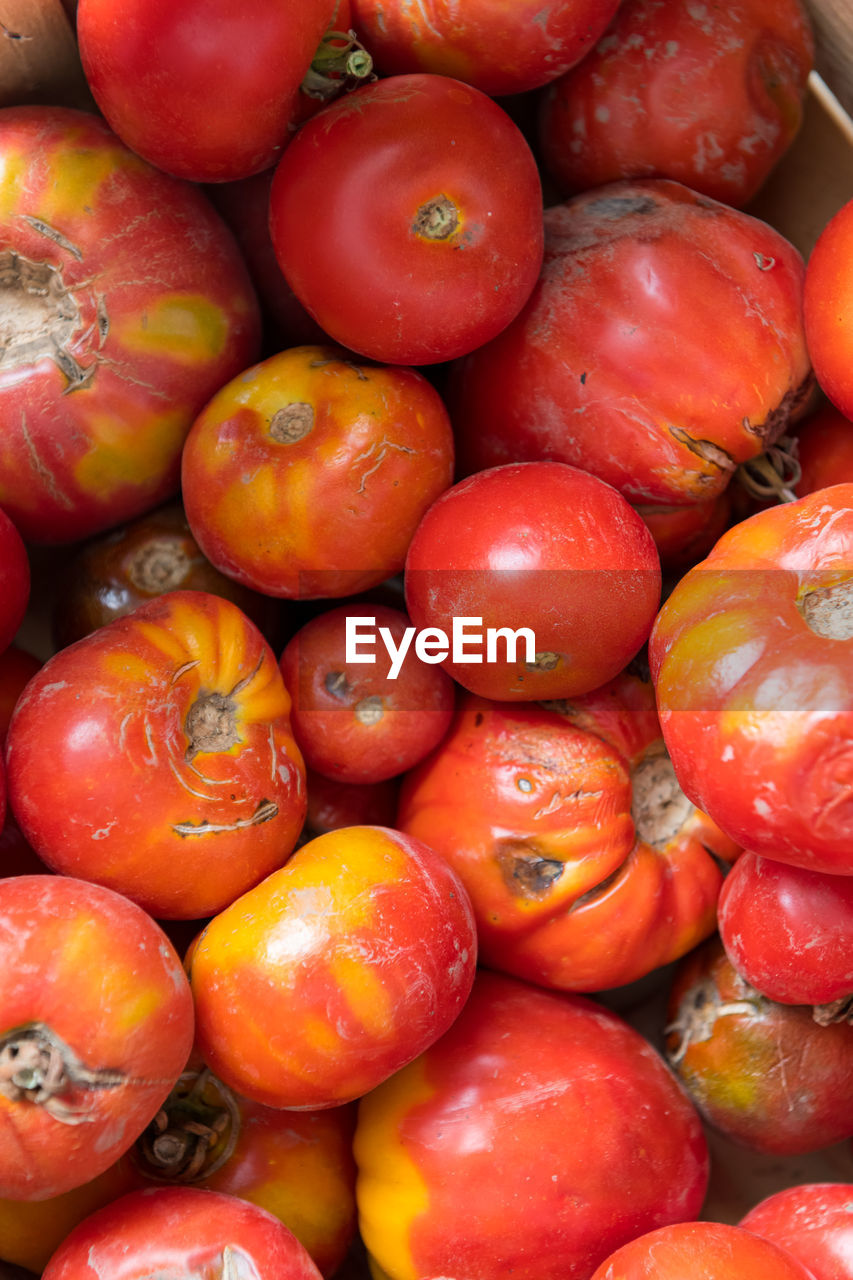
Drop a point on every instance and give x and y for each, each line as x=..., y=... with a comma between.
x=180, y=1231
x=96, y=1024
x=204, y=89
x=711, y=96
x=662, y=346
x=824, y=450
x=540, y=546
x=683, y=535
x=754, y=681
x=333, y=804
x=540, y=1132
x=499, y=48
x=811, y=1221
x=789, y=931
x=155, y=756
x=335, y=971
x=419, y=249
x=14, y=581
x=701, y=1251
x=306, y=475
x=17, y=667
x=828, y=309
x=128, y=304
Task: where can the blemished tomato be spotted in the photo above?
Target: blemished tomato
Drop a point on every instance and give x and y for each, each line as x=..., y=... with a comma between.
x=543, y=550
x=701, y=1251
x=96, y=1024
x=498, y=48
x=156, y=756
x=206, y=89
x=828, y=309
x=540, y=1132
x=428, y=238
x=753, y=670
x=15, y=580
x=126, y=305
x=622, y=354
x=335, y=971
x=306, y=476
x=710, y=96
x=812, y=1221
x=180, y=1231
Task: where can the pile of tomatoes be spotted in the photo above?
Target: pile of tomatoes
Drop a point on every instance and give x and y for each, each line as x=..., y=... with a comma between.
x=430, y=493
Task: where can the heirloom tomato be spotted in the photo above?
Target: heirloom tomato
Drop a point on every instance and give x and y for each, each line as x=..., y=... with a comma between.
x=812, y=1221
x=619, y=363
x=428, y=237
x=126, y=305
x=824, y=450
x=701, y=1251
x=752, y=659
x=180, y=1231
x=543, y=579
x=306, y=475
x=14, y=580
x=155, y=756
x=828, y=309
x=96, y=1024
x=335, y=971
x=540, y=1132
x=586, y=865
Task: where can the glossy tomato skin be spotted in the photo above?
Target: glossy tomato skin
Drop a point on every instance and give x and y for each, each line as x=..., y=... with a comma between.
x=542, y=546
x=14, y=580
x=156, y=756
x=464, y=1157
x=701, y=1251
x=204, y=91
x=335, y=971
x=418, y=251
x=124, y=357
x=306, y=476
x=812, y=1221
x=180, y=1231
x=96, y=1003
x=621, y=351
x=828, y=309
x=498, y=49
x=710, y=97
x=754, y=679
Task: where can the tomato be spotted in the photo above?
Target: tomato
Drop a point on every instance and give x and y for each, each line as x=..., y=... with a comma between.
x=789, y=931
x=306, y=475
x=662, y=346
x=824, y=450
x=586, y=865
x=500, y=49
x=540, y=1132
x=828, y=309
x=204, y=90
x=811, y=1221
x=127, y=305
x=180, y=1231
x=333, y=804
x=96, y=1023
x=710, y=96
x=684, y=534
x=701, y=1251
x=543, y=550
x=14, y=581
x=754, y=681
x=335, y=971
x=769, y=1076
x=417, y=251
x=156, y=756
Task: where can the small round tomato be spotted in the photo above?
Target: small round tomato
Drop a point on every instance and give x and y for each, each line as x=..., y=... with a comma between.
x=419, y=250
x=701, y=1251
x=14, y=580
x=156, y=756
x=812, y=1221
x=335, y=971
x=542, y=579
x=306, y=476
x=828, y=309
x=96, y=1024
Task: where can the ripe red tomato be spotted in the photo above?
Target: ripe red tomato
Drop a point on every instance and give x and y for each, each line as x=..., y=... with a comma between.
x=420, y=248
x=828, y=309
x=96, y=1024
x=540, y=1132
x=811, y=1221
x=710, y=96
x=333, y=804
x=753, y=671
x=17, y=667
x=662, y=346
x=541, y=546
x=206, y=89
x=156, y=756
x=824, y=450
x=14, y=580
x=701, y=1251
x=335, y=971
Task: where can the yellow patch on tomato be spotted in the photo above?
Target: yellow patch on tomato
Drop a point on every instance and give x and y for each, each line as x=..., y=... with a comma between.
x=361, y=986
x=187, y=327
x=125, y=455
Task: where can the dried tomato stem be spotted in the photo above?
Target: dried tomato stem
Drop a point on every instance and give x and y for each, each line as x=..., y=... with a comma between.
x=193, y=1134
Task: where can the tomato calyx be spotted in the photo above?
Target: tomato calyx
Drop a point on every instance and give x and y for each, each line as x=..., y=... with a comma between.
x=828, y=610
x=340, y=65
x=37, y=1066
x=437, y=219
x=698, y=1012
x=292, y=422
x=160, y=565
x=193, y=1134
x=44, y=312
x=659, y=807
x=840, y=1010
x=773, y=474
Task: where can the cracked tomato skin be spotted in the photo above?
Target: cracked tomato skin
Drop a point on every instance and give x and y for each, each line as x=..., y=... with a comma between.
x=155, y=756
x=141, y=307
x=662, y=346
x=538, y=1134
x=752, y=660
x=101, y=976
